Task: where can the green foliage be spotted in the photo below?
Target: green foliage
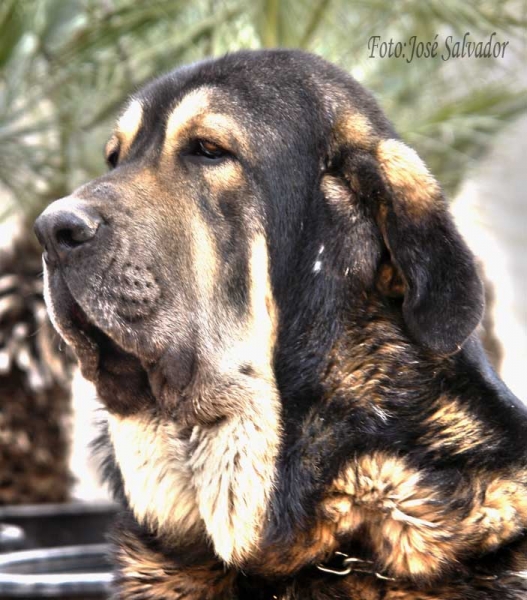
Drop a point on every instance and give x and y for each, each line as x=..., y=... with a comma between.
x=66, y=67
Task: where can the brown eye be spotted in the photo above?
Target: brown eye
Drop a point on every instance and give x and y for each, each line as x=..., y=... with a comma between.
x=208, y=150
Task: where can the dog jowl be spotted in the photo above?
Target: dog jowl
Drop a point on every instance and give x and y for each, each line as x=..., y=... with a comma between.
x=278, y=313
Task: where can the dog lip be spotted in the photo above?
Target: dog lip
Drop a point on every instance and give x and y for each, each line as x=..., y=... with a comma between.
x=112, y=358
x=82, y=339
x=69, y=319
x=95, y=348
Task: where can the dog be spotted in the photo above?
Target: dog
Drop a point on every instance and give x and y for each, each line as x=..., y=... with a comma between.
x=278, y=313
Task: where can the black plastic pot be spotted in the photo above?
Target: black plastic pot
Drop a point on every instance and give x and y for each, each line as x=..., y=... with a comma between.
x=55, y=551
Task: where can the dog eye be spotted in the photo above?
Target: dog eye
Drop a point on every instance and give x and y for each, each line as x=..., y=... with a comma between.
x=112, y=158
x=207, y=150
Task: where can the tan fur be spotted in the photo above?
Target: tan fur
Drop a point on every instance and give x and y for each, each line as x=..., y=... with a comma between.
x=233, y=468
x=354, y=129
x=389, y=281
x=234, y=461
x=191, y=117
x=222, y=130
x=248, y=341
x=310, y=548
x=388, y=497
x=226, y=175
x=144, y=571
x=194, y=104
x=414, y=187
x=501, y=512
x=128, y=125
x=365, y=372
x=452, y=426
x=335, y=191
x=415, y=529
x=259, y=332
x=220, y=479
x=152, y=456
x=204, y=260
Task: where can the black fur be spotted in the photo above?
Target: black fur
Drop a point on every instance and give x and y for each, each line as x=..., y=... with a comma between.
x=363, y=373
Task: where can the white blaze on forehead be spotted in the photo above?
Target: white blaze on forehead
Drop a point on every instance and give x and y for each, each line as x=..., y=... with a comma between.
x=129, y=123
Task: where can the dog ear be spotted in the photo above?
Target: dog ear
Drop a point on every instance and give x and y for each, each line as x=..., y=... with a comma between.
x=443, y=295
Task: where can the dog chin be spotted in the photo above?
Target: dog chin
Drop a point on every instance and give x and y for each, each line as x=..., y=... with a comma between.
x=131, y=376
x=104, y=358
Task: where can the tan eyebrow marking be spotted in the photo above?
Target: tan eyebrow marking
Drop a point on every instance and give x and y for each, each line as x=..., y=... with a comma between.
x=194, y=111
x=191, y=106
x=128, y=125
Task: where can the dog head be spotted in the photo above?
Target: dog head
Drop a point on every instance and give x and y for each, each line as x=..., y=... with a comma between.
x=249, y=200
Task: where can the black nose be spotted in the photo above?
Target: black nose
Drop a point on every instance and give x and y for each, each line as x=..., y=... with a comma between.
x=64, y=226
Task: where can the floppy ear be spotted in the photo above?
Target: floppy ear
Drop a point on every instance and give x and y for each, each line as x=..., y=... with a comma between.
x=443, y=295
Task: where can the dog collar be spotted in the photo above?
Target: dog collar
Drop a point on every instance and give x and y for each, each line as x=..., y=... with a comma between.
x=341, y=564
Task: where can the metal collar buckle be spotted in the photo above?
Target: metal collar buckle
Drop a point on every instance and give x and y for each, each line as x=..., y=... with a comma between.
x=350, y=564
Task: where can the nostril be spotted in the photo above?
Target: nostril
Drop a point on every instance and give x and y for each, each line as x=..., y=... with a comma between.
x=62, y=228
x=72, y=237
x=66, y=237
x=71, y=230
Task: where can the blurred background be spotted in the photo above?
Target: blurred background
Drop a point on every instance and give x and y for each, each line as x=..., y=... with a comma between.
x=66, y=67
